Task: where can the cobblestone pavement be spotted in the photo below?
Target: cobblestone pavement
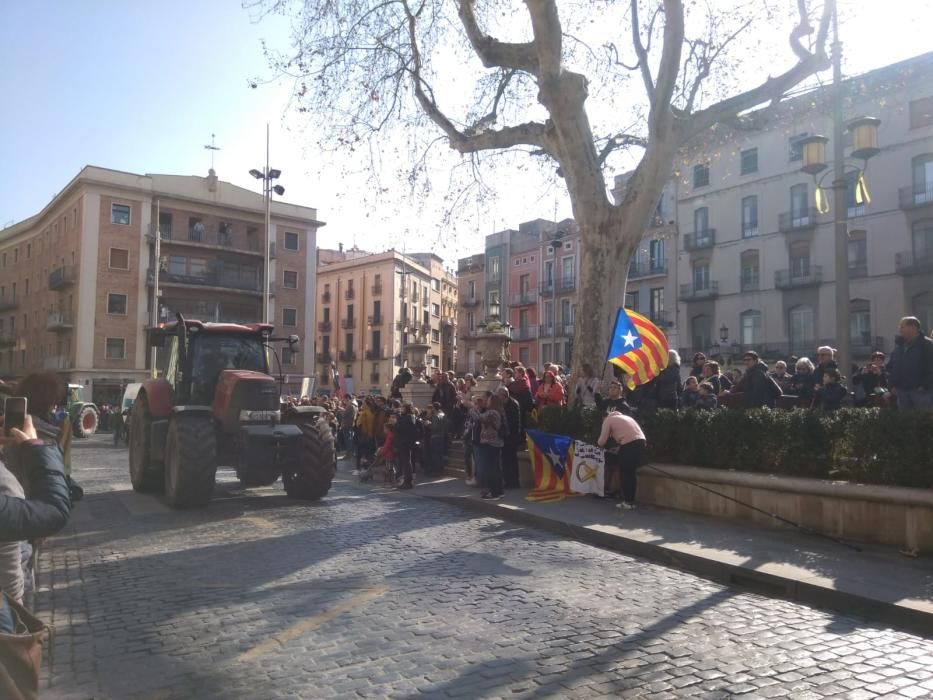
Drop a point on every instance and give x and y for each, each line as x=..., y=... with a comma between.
x=375, y=595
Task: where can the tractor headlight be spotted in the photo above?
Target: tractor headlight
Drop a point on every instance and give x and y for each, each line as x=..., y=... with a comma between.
x=260, y=416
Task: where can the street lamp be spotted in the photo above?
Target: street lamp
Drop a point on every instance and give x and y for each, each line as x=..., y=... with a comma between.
x=555, y=245
x=723, y=333
x=864, y=132
x=267, y=175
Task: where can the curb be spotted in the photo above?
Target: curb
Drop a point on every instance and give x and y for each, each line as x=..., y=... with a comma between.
x=906, y=618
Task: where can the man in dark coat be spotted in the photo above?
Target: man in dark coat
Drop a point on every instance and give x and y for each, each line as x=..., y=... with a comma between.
x=758, y=389
x=513, y=438
x=910, y=369
x=444, y=393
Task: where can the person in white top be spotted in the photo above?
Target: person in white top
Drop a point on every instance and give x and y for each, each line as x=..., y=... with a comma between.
x=585, y=388
x=625, y=443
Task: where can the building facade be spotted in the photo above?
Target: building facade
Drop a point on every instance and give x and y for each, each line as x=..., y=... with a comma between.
x=371, y=306
x=77, y=279
x=471, y=310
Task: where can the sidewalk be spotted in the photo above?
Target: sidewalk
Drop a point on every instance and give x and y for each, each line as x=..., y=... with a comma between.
x=877, y=583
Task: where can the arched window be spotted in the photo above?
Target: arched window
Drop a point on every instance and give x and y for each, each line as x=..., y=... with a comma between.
x=800, y=330
x=750, y=329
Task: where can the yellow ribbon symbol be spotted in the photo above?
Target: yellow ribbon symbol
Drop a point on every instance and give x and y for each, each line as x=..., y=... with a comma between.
x=589, y=472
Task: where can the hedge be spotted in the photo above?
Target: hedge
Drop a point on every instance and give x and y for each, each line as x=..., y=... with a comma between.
x=864, y=445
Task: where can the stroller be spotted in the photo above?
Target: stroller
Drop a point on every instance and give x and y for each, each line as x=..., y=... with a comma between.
x=387, y=467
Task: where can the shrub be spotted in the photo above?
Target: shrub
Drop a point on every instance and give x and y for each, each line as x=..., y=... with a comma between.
x=865, y=445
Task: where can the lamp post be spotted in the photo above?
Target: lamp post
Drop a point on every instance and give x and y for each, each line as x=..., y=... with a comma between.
x=267, y=175
x=555, y=244
x=864, y=145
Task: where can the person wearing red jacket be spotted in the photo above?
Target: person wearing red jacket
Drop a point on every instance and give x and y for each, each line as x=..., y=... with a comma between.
x=550, y=392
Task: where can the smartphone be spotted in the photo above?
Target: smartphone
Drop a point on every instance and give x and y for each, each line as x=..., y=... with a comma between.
x=14, y=413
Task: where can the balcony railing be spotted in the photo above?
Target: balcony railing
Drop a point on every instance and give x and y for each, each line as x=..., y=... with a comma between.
x=59, y=321
x=377, y=290
x=914, y=262
x=494, y=276
x=325, y=297
x=566, y=284
x=699, y=292
x=858, y=268
x=349, y=294
x=524, y=333
x=325, y=358
x=750, y=283
x=470, y=302
x=375, y=320
x=7, y=339
x=373, y=355
x=8, y=304
x=57, y=362
x=62, y=277
x=865, y=346
x=523, y=299
x=793, y=279
x=325, y=326
x=565, y=330
x=374, y=377
x=791, y=221
x=700, y=240
x=347, y=356
x=348, y=324
x=212, y=279
x=648, y=268
x=919, y=195
x=660, y=319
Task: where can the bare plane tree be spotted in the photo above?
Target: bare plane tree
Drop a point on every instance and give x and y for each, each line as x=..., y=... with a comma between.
x=360, y=65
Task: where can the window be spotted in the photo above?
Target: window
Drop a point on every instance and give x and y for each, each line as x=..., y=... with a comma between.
x=749, y=161
x=291, y=241
x=195, y=229
x=566, y=270
x=923, y=179
x=471, y=289
x=28, y=250
x=701, y=175
x=119, y=259
x=120, y=214
x=860, y=323
x=224, y=234
x=350, y=315
x=116, y=304
x=656, y=257
x=549, y=274
x=701, y=328
x=921, y=112
x=631, y=301
x=325, y=344
x=290, y=279
x=549, y=314
x=494, y=271
x=165, y=225
x=471, y=321
x=26, y=291
x=922, y=239
x=524, y=355
x=701, y=223
x=751, y=328
x=657, y=303
x=435, y=335
x=795, y=146
x=348, y=342
x=800, y=260
x=524, y=284
x=115, y=348
x=858, y=254
x=435, y=309
x=288, y=357
x=855, y=200
x=290, y=317
x=523, y=317
x=800, y=330
x=749, y=217
x=799, y=207
x=751, y=278
x=435, y=284
x=701, y=276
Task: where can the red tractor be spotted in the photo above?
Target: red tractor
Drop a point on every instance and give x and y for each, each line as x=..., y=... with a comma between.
x=216, y=403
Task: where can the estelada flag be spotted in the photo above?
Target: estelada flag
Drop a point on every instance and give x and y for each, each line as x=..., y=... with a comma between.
x=638, y=347
x=549, y=456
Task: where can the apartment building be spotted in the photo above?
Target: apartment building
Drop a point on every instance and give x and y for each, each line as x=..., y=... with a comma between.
x=471, y=310
x=756, y=257
x=77, y=279
x=372, y=305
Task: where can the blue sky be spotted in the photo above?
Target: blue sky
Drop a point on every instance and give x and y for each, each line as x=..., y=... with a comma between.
x=140, y=86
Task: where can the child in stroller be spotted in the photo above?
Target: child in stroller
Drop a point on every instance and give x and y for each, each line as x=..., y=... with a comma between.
x=384, y=460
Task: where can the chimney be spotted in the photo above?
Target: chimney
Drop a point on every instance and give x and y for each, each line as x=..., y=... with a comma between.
x=212, y=180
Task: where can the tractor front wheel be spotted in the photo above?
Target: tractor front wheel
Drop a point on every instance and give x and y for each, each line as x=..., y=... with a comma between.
x=86, y=421
x=145, y=476
x=311, y=478
x=190, y=460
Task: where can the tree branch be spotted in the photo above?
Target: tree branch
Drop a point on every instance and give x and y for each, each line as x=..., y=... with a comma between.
x=621, y=141
x=548, y=33
x=642, y=53
x=670, y=59
x=773, y=88
x=494, y=53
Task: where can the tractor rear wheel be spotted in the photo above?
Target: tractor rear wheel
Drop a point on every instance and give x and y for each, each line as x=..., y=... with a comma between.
x=86, y=421
x=190, y=460
x=312, y=478
x=145, y=476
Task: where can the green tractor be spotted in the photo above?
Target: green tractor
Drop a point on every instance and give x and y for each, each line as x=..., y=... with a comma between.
x=84, y=416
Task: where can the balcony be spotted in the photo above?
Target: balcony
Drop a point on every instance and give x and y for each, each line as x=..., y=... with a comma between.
x=325, y=297
x=347, y=356
x=794, y=221
x=700, y=240
x=865, y=346
x=377, y=290
x=349, y=294
x=59, y=321
x=325, y=326
x=525, y=298
x=325, y=358
x=373, y=355
x=524, y=332
x=62, y=277
x=913, y=196
x=218, y=280
x=402, y=325
x=374, y=377
x=750, y=283
x=699, y=292
x=914, y=262
x=565, y=330
x=57, y=362
x=8, y=304
x=470, y=302
x=660, y=319
x=494, y=276
x=650, y=268
x=7, y=339
x=200, y=241
x=565, y=285
x=375, y=320
x=858, y=268
x=348, y=324
x=791, y=279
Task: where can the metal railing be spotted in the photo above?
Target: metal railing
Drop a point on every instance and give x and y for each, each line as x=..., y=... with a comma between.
x=8, y=304
x=524, y=332
x=523, y=298
x=750, y=283
x=374, y=377
x=57, y=362
x=858, y=268
x=59, y=321
x=700, y=240
x=349, y=294
x=325, y=297
x=648, y=268
x=792, y=279
x=919, y=195
x=211, y=279
x=695, y=292
x=373, y=355
x=377, y=290
x=324, y=357
x=7, y=338
x=348, y=324
x=325, y=326
x=375, y=320
x=804, y=220
x=913, y=262
x=470, y=302
x=347, y=356
x=62, y=277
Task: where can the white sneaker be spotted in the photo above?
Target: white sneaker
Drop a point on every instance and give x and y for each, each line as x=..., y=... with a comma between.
x=472, y=482
x=625, y=505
